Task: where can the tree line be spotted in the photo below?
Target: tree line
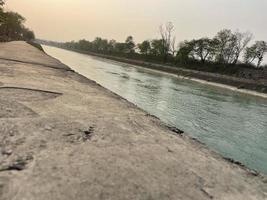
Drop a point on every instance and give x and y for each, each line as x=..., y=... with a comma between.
x=226, y=48
x=12, y=26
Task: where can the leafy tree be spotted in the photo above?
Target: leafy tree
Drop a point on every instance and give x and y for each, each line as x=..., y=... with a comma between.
x=100, y=45
x=255, y=52
x=84, y=45
x=185, y=52
x=11, y=26
x=144, y=47
x=28, y=34
x=230, y=45
x=157, y=48
x=224, y=40
x=120, y=48
x=130, y=45
x=250, y=54
x=111, y=45
x=203, y=48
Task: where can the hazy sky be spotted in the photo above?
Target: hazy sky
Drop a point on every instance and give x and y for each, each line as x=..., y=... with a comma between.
x=64, y=20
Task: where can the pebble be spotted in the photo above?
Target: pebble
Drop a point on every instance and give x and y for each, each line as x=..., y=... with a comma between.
x=48, y=128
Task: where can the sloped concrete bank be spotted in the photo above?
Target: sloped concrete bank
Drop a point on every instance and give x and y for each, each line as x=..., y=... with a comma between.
x=63, y=137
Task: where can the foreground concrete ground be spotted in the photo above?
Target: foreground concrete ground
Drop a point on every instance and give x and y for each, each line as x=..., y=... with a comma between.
x=64, y=137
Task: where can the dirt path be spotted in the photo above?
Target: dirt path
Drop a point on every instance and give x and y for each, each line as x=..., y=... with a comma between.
x=64, y=137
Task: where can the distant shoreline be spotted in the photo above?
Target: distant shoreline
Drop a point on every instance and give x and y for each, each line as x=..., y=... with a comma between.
x=242, y=85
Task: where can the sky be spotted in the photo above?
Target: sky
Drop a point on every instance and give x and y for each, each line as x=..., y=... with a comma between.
x=66, y=20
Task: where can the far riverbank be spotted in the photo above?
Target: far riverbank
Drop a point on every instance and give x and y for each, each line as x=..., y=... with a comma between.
x=244, y=85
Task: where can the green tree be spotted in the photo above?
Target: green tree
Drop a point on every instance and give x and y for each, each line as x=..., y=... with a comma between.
x=84, y=45
x=230, y=45
x=203, y=48
x=120, y=48
x=224, y=40
x=12, y=26
x=28, y=34
x=255, y=53
x=185, y=52
x=157, y=48
x=144, y=47
x=111, y=46
x=100, y=45
x=130, y=45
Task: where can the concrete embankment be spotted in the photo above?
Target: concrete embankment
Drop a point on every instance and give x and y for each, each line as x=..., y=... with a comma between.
x=63, y=137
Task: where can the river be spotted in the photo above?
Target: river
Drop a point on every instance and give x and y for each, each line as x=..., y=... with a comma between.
x=231, y=123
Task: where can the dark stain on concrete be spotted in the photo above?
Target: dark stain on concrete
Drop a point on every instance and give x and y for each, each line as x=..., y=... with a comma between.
x=27, y=94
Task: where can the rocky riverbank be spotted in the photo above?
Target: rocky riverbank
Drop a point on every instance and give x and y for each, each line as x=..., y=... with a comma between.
x=65, y=137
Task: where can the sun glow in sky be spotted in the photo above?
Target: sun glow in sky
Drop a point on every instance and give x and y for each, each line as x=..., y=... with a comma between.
x=65, y=20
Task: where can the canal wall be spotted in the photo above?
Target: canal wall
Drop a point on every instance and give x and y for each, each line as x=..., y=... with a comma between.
x=63, y=136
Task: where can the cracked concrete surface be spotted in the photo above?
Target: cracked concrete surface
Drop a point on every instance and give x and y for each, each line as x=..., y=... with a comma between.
x=64, y=137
